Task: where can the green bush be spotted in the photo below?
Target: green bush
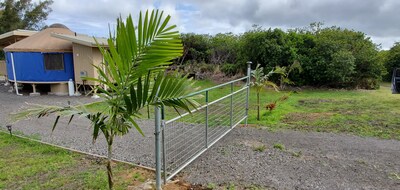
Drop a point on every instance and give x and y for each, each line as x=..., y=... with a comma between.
x=369, y=84
x=229, y=69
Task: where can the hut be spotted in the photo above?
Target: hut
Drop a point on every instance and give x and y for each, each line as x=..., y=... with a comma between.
x=42, y=59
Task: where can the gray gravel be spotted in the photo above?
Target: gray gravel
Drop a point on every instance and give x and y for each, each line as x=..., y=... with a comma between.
x=77, y=135
x=323, y=161
x=309, y=161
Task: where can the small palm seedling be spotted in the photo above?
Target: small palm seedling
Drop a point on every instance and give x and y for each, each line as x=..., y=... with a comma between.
x=285, y=72
x=260, y=82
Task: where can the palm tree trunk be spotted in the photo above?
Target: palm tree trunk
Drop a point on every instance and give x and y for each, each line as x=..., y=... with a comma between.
x=109, y=169
x=258, y=106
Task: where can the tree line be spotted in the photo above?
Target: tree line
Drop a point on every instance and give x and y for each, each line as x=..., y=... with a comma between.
x=329, y=56
x=23, y=14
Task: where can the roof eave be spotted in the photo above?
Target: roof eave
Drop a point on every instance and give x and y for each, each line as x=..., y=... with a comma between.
x=77, y=41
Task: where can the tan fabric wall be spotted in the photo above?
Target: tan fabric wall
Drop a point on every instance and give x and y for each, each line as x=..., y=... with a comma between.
x=84, y=59
x=97, y=59
x=3, y=70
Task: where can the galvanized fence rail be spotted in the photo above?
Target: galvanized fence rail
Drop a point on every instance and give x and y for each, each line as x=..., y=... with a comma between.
x=182, y=139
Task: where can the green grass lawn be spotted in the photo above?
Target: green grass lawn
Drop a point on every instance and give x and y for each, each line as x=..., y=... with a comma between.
x=30, y=165
x=374, y=113
x=361, y=112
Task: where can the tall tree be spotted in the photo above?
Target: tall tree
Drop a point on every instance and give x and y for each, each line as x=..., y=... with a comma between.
x=269, y=48
x=196, y=48
x=23, y=14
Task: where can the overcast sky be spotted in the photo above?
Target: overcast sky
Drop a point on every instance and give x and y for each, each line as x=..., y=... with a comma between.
x=379, y=19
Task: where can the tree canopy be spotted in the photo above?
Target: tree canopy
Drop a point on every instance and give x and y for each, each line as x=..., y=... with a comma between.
x=329, y=56
x=23, y=14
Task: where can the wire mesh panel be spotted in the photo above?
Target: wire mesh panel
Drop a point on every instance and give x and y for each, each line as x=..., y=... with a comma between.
x=189, y=135
x=183, y=139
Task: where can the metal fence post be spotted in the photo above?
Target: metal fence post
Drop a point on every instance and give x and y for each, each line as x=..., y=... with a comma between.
x=164, y=165
x=157, y=112
x=231, y=114
x=206, y=136
x=248, y=90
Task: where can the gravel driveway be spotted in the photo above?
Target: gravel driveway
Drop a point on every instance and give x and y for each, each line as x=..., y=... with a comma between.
x=245, y=157
x=77, y=135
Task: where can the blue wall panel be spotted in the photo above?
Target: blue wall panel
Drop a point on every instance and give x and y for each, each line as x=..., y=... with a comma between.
x=29, y=66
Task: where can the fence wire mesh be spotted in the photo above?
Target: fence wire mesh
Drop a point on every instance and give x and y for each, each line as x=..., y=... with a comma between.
x=187, y=136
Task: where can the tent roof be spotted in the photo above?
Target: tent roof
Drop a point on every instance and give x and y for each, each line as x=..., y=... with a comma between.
x=83, y=39
x=11, y=37
x=43, y=41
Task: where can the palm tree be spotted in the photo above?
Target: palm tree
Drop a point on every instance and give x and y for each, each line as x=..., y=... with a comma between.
x=260, y=82
x=134, y=76
x=284, y=73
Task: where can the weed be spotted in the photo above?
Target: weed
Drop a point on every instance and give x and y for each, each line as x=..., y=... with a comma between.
x=296, y=154
x=224, y=151
x=271, y=106
x=231, y=186
x=260, y=148
x=279, y=146
x=363, y=162
x=211, y=186
x=394, y=175
x=137, y=175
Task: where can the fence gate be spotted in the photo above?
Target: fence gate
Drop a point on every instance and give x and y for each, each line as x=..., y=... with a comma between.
x=182, y=139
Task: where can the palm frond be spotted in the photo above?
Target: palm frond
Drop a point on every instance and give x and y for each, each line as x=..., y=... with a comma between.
x=164, y=90
x=272, y=84
x=39, y=111
x=137, y=50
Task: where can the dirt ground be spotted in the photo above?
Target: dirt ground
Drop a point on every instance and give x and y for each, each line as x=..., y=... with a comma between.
x=251, y=158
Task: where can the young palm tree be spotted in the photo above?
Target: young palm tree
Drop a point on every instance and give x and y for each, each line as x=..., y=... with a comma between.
x=284, y=73
x=134, y=74
x=260, y=82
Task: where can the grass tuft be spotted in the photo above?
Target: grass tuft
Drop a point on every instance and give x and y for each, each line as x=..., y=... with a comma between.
x=279, y=146
x=260, y=148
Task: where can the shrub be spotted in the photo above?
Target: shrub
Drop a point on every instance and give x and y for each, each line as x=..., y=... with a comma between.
x=229, y=69
x=369, y=84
